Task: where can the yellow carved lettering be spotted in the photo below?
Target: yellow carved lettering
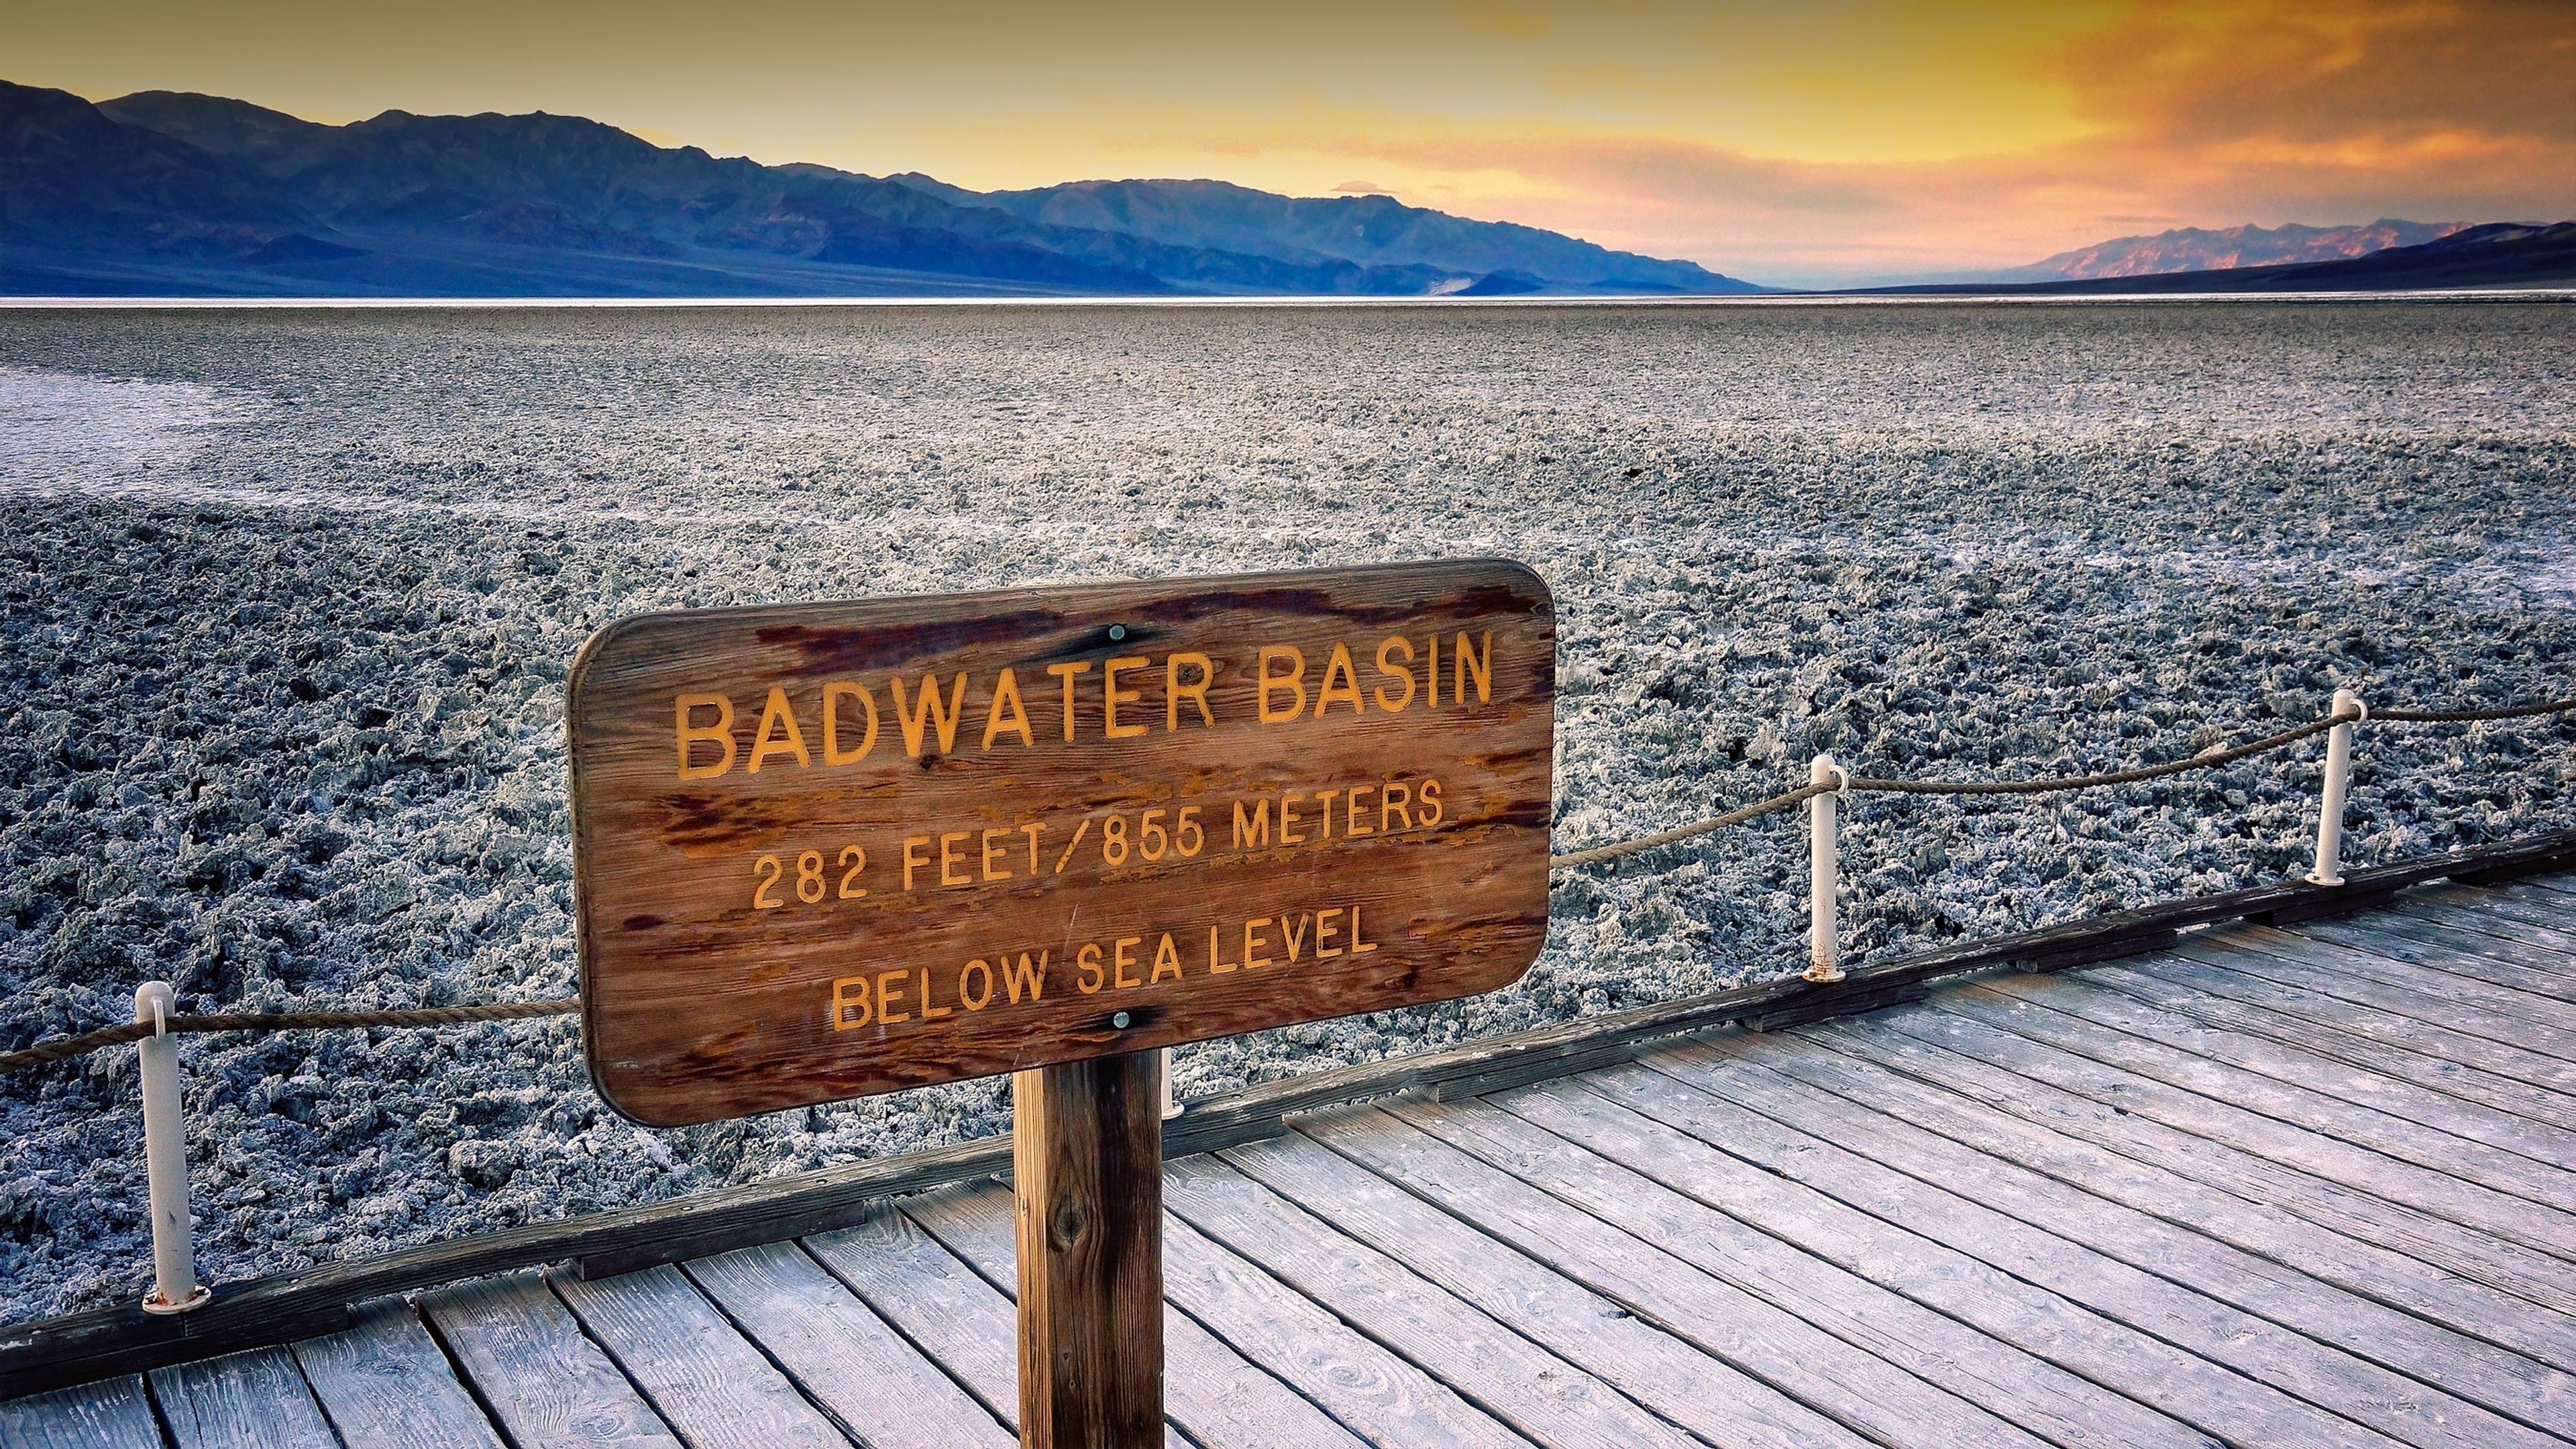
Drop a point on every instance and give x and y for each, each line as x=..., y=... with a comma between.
x=833, y=693
x=1196, y=692
x=719, y=733
x=1018, y=974
x=1387, y=651
x=1252, y=832
x=1394, y=802
x=1325, y=926
x=772, y=715
x=1006, y=713
x=1470, y=662
x=1339, y=667
x=929, y=712
x=1111, y=696
x=1288, y=683
x=850, y=993
x=1065, y=673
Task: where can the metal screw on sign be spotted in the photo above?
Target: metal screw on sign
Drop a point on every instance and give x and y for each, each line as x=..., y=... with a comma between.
x=175, y=1288
x=2338, y=783
x=1824, y=952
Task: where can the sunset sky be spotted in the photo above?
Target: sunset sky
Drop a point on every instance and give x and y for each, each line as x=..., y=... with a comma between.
x=1823, y=142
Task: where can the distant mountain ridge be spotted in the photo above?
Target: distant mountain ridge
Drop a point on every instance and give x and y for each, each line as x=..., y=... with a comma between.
x=170, y=192
x=1374, y=229
x=2495, y=255
x=2200, y=249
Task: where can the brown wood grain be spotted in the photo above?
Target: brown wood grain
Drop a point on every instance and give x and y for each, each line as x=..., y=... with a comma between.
x=1087, y=1163
x=715, y=985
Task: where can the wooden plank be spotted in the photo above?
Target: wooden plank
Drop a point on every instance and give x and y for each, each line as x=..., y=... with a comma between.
x=2289, y=986
x=109, y=1414
x=1880, y=1364
x=2210, y=1397
x=2404, y=1347
x=534, y=1370
x=940, y=1304
x=1538, y=1393
x=2223, y=1370
x=2189, y=991
x=384, y=1382
x=1216, y=1396
x=2429, y=1191
x=97, y=1343
x=1380, y=1396
x=2459, y=998
x=704, y=1378
x=2548, y=893
x=2540, y=933
x=2498, y=1137
x=802, y=874
x=2360, y=1266
x=2501, y=1177
x=1971, y=1062
x=2445, y=943
x=878, y=1387
x=1087, y=1161
x=1661, y=1371
x=251, y=1400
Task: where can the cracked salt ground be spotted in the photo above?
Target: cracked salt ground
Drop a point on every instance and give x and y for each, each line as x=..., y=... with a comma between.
x=289, y=595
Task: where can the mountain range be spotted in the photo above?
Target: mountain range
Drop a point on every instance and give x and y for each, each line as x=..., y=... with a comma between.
x=2202, y=249
x=169, y=193
x=2497, y=254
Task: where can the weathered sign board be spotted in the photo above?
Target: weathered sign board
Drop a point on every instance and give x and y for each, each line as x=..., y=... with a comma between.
x=829, y=850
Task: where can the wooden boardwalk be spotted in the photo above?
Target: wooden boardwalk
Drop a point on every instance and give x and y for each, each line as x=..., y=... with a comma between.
x=2312, y=1186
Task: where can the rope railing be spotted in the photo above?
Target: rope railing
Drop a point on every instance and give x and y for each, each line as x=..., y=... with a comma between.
x=1843, y=782
x=72, y=1046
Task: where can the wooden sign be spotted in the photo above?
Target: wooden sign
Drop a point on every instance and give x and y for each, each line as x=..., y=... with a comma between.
x=824, y=851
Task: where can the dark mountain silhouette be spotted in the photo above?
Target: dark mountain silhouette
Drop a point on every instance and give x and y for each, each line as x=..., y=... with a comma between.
x=165, y=192
x=2498, y=254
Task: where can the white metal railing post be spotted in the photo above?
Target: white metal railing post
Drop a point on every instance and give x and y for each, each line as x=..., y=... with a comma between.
x=1171, y=1104
x=175, y=1288
x=1824, y=951
x=2329, y=871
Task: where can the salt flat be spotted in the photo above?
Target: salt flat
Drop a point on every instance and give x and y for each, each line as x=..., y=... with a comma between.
x=289, y=595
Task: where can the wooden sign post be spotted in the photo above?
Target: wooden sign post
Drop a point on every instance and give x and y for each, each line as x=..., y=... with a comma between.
x=1087, y=1177
x=825, y=851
